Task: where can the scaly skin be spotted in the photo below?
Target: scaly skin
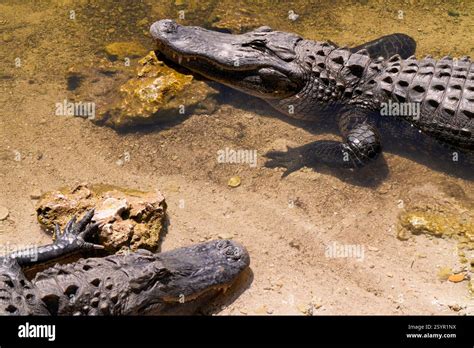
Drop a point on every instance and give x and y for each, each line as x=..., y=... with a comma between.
x=311, y=80
x=141, y=283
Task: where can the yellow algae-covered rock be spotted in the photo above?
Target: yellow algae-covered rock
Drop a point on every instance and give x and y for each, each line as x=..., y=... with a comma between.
x=442, y=224
x=437, y=224
x=130, y=219
x=157, y=93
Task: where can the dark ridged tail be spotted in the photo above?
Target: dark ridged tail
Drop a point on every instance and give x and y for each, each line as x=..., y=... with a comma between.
x=389, y=45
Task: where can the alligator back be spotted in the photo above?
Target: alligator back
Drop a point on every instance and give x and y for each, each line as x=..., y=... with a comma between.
x=92, y=286
x=441, y=91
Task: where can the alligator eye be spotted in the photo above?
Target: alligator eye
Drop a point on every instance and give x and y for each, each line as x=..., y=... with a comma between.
x=258, y=45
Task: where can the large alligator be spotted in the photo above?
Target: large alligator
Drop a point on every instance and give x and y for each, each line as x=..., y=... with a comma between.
x=375, y=90
x=180, y=281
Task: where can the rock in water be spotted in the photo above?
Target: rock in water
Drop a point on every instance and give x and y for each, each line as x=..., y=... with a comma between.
x=130, y=218
x=157, y=93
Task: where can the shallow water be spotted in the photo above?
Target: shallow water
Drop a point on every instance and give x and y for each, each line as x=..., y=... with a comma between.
x=284, y=223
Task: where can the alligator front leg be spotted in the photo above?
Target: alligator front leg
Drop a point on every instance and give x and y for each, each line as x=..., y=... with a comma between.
x=361, y=141
x=73, y=239
x=360, y=146
x=18, y=296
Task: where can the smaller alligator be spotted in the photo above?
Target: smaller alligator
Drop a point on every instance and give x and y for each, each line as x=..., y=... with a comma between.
x=374, y=91
x=180, y=281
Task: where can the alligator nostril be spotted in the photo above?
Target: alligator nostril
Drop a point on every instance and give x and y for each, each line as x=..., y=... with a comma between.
x=222, y=244
x=233, y=253
x=165, y=26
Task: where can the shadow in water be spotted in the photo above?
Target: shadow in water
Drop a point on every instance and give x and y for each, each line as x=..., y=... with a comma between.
x=296, y=158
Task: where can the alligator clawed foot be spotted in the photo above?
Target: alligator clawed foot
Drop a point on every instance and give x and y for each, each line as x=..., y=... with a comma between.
x=291, y=159
x=75, y=234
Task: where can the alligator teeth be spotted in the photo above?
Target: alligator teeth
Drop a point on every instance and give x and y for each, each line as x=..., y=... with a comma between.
x=180, y=58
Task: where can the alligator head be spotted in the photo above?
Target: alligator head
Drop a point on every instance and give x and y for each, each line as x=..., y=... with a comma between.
x=180, y=281
x=261, y=62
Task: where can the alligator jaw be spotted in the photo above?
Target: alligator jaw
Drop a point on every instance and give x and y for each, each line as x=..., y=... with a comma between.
x=261, y=62
x=192, y=304
x=191, y=277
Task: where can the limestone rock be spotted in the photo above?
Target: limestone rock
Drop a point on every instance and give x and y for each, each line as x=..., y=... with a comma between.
x=110, y=209
x=130, y=219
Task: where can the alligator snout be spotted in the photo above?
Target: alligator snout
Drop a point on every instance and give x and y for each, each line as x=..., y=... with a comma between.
x=233, y=251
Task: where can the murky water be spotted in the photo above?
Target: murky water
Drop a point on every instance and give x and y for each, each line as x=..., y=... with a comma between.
x=43, y=42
